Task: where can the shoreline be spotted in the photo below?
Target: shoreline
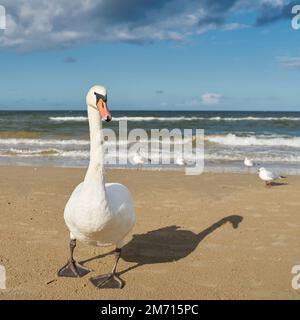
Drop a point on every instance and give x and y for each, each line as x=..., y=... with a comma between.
x=220, y=236
x=61, y=138
x=212, y=170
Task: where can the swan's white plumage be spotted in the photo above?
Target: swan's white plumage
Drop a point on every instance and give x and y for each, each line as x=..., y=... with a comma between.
x=99, y=213
x=83, y=218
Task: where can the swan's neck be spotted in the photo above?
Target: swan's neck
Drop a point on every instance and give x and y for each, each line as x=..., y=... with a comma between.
x=95, y=172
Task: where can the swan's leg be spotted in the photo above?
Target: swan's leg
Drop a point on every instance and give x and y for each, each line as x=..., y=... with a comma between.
x=110, y=280
x=73, y=268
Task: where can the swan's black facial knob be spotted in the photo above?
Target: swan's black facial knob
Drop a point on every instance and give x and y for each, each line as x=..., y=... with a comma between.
x=108, y=118
x=100, y=96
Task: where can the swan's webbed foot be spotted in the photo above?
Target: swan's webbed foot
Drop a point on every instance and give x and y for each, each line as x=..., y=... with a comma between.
x=73, y=269
x=109, y=281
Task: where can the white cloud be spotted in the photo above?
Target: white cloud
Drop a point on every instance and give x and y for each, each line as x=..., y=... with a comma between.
x=291, y=62
x=44, y=24
x=211, y=98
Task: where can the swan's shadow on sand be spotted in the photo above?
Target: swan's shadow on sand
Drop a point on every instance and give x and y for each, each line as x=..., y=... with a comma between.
x=166, y=244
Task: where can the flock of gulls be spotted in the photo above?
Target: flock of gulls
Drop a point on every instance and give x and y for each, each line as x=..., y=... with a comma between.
x=139, y=160
x=264, y=174
x=102, y=214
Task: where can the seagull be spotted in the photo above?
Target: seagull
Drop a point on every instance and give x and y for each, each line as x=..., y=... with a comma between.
x=180, y=161
x=268, y=176
x=139, y=159
x=249, y=163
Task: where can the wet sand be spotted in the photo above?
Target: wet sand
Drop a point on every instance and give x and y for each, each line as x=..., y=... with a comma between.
x=213, y=236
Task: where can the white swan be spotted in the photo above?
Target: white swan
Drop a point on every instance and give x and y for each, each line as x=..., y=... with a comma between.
x=98, y=213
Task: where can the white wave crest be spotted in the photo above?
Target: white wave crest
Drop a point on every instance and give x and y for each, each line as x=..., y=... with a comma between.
x=68, y=119
x=44, y=153
x=181, y=118
x=29, y=152
x=262, y=140
x=43, y=142
x=154, y=118
x=260, y=158
x=255, y=119
x=81, y=119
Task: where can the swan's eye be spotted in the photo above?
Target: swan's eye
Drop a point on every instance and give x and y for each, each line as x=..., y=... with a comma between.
x=100, y=96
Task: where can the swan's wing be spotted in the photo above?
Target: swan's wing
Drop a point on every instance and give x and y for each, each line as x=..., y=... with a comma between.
x=121, y=204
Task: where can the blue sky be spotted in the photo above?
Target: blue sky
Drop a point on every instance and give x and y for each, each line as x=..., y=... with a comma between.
x=238, y=55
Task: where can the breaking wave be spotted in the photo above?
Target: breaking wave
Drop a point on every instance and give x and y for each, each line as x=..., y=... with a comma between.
x=254, y=140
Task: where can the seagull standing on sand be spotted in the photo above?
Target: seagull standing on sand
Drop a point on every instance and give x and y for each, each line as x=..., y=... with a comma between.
x=139, y=159
x=180, y=161
x=249, y=163
x=268, y=176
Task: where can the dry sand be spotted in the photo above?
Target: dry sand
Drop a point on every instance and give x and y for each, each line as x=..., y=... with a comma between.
x=218, y=236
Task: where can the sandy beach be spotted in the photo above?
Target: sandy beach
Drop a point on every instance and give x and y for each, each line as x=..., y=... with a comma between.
x=213, y=236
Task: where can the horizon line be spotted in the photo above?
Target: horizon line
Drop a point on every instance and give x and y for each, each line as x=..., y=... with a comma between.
x=149, y=110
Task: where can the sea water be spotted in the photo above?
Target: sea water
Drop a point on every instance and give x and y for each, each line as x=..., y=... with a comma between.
x=61, y=138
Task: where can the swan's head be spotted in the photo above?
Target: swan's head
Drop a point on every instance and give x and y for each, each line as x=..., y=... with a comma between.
x=97, y=98
x=261, y=169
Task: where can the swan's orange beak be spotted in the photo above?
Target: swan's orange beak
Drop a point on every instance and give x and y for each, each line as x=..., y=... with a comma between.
x=104, y=112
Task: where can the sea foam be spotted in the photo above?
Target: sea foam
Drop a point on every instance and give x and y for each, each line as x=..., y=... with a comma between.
x=254, y=140
x=180, y=118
